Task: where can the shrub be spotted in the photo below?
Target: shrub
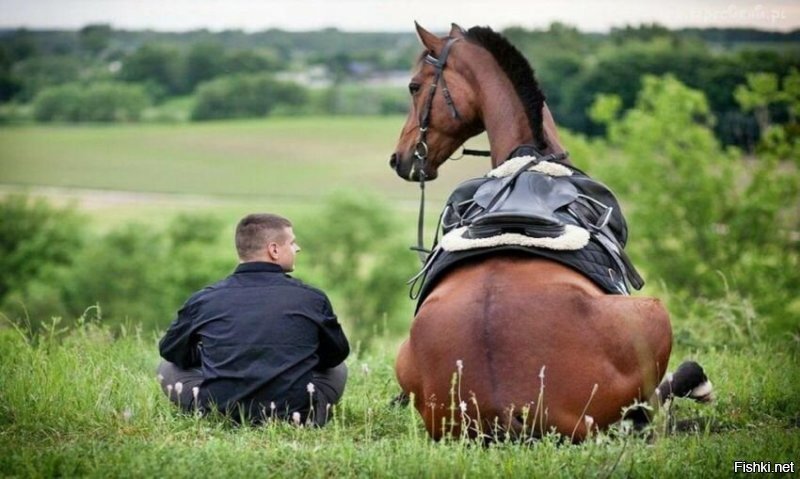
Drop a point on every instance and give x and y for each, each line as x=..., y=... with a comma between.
x=35, y=238
x=243, y=96
x=359, y=256
x=697, y=210
x=99, y=102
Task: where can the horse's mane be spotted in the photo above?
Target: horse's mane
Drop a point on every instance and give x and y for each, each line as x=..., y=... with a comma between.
x=519, y=71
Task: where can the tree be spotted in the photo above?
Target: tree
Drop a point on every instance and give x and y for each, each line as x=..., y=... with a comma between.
x=203, y=62
x=95, y=38
x=157, y=65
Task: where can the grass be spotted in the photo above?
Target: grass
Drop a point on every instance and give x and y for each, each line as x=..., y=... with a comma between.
x=84, y=403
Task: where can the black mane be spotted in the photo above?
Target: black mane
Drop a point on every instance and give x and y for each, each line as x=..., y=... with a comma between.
x=519, y=71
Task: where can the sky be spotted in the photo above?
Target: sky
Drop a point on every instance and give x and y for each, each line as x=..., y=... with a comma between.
x=394, y=15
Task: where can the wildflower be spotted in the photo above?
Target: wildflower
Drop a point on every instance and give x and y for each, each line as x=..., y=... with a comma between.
x=127, y=414
x=589, y=421
x=178, y=388
x=272, y=408
x=195, y=393
x=541, y=373
x=310, y=388
x=296, y=417
x=463, y=407
x=169, y=390
x=160, y=378
x=460, y=366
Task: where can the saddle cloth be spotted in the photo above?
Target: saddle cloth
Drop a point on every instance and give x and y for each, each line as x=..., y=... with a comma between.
x=532, y=206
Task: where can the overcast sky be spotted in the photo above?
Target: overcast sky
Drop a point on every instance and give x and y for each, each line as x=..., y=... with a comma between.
x=387, y=15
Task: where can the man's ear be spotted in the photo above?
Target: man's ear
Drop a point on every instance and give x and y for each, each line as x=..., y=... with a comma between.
x=428, y=39
x=272, y=250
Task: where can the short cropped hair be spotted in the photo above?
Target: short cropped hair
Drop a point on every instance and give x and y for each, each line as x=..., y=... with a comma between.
x=257, y=230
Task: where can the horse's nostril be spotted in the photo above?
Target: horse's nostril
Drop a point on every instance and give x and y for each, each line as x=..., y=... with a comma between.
x=393, y=161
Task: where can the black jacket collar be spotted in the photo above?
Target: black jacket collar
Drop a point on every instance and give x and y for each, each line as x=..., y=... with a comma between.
x=258, y=267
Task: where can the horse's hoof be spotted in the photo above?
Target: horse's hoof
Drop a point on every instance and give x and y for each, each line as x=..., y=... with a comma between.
x=400, y=400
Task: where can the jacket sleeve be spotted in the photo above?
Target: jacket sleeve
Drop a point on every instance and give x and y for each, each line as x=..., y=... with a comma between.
x=333, y=345
x=179, y=345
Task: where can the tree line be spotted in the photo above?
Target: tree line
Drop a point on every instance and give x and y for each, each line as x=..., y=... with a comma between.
x=99, y=73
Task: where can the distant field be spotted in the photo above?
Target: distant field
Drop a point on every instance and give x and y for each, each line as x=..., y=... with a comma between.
x=297, y=158
x=149, y=172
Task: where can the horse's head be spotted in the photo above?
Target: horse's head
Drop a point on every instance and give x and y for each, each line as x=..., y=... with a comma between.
x=444, y=106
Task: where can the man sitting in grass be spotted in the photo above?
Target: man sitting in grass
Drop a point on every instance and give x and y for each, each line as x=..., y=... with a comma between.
x=258, y=344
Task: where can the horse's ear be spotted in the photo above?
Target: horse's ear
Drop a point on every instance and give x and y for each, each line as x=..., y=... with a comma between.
x=456, y=31
x=428, y=39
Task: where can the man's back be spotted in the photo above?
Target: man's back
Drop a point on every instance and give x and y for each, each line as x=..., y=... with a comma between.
x=257, y=336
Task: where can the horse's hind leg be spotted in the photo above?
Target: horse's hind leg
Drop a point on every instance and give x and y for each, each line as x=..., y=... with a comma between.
x=406, y=374
x=689, y=380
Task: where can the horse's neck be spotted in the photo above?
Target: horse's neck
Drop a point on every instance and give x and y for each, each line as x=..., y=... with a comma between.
x=506, y=123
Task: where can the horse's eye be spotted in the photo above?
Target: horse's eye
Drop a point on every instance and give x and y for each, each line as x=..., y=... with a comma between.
x=413, y=88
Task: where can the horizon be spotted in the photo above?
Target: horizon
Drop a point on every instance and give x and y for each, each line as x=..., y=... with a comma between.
x=357, y=16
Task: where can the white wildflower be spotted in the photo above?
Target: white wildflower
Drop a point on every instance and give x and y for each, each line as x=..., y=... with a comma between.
x=460, y=366
x=195, y=393
x=160, y=378
x=541, y=373
x=169, y=390
x=310, y=388
x=296, y=417
x=178, y=388
x=463, y=407
x=127, y=414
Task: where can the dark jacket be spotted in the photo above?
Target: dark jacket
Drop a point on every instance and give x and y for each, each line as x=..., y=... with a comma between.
x=257, y=335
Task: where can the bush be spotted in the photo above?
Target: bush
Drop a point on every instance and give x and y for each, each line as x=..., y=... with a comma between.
x=243, y=96
x=706, y=221
x=134, y=274
x=98, y=102
x=35, y=238
x=358, y=256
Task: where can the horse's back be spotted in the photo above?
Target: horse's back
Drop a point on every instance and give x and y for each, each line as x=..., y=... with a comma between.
x=510, y=320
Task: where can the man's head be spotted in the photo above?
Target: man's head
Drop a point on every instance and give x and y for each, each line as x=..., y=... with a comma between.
x=266, y=237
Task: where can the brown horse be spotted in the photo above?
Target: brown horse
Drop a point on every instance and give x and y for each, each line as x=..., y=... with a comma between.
x=516, y=344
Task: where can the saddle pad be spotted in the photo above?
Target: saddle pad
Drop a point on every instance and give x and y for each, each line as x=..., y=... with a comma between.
x=592, y=261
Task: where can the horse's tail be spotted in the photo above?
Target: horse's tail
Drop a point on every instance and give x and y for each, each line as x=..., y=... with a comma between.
x=689, y=380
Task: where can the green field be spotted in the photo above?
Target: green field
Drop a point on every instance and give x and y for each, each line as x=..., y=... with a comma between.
x=149, y=172
x=295, y=158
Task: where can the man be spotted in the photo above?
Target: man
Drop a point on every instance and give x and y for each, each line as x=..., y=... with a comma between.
x=258, y=344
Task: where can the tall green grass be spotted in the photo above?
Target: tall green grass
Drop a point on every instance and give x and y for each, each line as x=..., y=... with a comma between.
x=86, y=403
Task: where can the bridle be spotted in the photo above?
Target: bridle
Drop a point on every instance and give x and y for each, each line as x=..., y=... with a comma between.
x=421, y=148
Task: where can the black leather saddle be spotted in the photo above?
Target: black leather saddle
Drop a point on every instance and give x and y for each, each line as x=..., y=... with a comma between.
x=539, y=205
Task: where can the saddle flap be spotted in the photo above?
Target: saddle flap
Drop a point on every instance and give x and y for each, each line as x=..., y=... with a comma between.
x=533, y=195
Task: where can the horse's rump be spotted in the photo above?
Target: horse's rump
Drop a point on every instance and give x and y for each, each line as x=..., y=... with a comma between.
x=509, y=320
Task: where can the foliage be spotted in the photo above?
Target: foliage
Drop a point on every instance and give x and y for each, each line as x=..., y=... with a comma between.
x=35, y=238
x=358, y=257
x=98, y=102
x=698, y=210
x=133, y=273
x=156, y=65
x=242, y=96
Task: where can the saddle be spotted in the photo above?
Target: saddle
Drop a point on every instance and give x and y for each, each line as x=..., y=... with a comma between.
x=534, y=205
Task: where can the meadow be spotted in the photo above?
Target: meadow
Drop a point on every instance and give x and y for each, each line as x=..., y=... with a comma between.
x=84, y=401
